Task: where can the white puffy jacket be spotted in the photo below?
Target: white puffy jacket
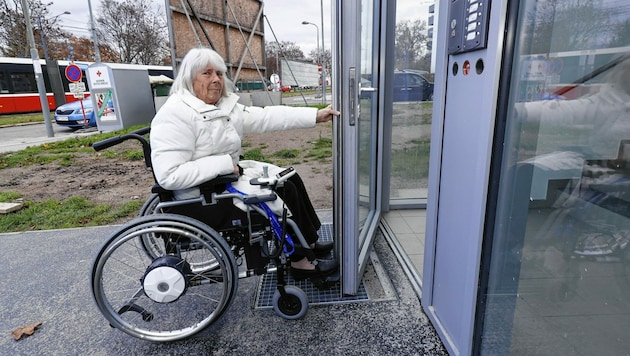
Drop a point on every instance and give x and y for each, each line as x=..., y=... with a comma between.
x=193, y=142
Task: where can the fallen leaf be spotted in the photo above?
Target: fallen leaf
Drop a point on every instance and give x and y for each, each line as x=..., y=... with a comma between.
x=25, y=330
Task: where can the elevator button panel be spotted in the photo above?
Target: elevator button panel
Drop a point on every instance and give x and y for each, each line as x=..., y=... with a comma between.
x=468, y=25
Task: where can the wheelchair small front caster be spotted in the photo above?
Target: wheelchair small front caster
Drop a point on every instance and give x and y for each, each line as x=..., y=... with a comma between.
x=293, y=305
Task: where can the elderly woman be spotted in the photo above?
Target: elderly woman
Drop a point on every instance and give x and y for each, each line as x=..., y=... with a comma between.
x=196, y=136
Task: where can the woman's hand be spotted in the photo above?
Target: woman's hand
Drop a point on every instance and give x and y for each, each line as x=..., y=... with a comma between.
x=326, y=114
x=237, y=170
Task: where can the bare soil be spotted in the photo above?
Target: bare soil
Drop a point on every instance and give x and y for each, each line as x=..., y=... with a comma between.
x=117, y=181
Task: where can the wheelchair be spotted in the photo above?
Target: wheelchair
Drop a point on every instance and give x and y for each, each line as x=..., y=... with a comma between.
x=173, y=271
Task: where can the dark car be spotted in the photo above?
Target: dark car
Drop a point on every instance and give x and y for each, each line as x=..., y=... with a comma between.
x=410, y=85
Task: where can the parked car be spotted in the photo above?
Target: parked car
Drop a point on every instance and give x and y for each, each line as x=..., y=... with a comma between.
x=409, y=85
x=412, y=85
x=72, y=114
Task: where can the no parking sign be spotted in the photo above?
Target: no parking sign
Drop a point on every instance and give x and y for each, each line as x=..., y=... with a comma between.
x=73, y=73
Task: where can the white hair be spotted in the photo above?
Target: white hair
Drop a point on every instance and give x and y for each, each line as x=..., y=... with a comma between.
x=194, y=61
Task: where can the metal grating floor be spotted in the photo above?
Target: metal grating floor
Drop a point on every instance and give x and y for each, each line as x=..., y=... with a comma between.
x=267, y=285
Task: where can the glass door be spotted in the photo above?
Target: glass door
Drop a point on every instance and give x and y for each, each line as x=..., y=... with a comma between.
x=357, y=197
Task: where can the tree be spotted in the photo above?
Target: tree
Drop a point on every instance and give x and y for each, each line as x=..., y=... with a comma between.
x=326, y=58
x=13, y=41
x=411, y=45
x=83, y=50
x=621, y=35
x=275, y=52
x=135, y=32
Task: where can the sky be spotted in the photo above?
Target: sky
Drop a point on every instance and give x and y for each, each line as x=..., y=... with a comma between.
x=284, y=16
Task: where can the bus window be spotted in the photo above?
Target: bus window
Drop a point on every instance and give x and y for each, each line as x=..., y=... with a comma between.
x=24, y=83
x=4, y=84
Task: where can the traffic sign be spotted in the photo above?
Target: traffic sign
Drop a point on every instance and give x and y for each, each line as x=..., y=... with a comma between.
x=77, y=89
x=73, y=73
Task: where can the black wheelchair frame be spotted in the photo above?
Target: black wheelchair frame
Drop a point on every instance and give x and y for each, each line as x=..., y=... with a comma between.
x=173, y=271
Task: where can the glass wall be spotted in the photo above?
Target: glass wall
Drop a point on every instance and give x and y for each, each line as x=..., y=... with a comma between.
x=411, y=99
x=412, y=102
x=559, y=280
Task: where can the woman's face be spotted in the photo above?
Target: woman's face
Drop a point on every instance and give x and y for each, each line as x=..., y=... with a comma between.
x=208, y=84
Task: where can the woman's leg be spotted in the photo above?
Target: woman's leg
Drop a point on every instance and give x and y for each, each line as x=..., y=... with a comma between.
x=295, y=197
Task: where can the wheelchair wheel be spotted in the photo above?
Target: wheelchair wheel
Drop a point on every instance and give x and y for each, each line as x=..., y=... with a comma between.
x=151, y=244
x=164, y=298
x=155, y=246
x=148, y=207
x=291, y=306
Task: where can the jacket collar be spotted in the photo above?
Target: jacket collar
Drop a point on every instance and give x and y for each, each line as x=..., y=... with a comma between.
x=226, y=103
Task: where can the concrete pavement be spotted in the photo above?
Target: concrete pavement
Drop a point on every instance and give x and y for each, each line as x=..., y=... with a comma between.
x=46, y=278
x=18, y=137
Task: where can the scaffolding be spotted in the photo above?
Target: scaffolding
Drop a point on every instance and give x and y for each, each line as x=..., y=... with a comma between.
x=233, y=28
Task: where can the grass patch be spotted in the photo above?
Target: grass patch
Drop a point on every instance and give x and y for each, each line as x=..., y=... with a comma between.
x=411, y=163
x=321, y=150
x=287, y=153
x=63, y=152
x=254, y=154
x=71, y=212
x=133, y=155
x=22, y=118
x=9, y=196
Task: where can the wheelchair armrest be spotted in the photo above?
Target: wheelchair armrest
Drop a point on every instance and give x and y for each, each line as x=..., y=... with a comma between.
x=156, y=188
x=255, y=199
x=224, y=179
x=215, y=185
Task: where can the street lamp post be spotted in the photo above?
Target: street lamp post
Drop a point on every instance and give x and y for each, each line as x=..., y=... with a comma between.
x=52, y=66
x=43, y=34
x=319, y=61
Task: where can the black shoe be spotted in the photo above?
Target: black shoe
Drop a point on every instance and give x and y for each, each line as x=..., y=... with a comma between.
x=322, y=249
x=323, y=268
x=327, y=282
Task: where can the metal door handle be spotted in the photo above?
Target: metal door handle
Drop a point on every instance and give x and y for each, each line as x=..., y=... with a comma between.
x=353, y=100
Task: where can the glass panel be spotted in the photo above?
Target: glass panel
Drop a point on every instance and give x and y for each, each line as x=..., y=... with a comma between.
x=366, y=125
x=559, y=279
x=412, y=102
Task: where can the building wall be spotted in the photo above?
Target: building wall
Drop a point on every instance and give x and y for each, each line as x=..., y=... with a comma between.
x=229, y=25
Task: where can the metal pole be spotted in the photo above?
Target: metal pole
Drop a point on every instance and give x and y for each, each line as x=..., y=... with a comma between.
x=41, y=33
x=323, y=57
x=97, y=54
x=37, y=68
x=319, y=56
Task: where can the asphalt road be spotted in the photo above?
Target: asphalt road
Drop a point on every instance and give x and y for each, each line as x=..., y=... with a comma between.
x=15, y=138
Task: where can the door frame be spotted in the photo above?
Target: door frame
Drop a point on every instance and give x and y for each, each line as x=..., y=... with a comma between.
x=354, y=238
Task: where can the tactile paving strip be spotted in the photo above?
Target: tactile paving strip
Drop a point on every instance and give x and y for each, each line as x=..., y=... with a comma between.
x=267, y=286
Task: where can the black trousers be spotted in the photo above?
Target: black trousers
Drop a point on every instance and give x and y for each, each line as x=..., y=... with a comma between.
x=296, y=198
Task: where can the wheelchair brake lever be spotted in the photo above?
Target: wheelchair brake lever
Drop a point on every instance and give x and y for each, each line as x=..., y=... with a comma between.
x=273, y=181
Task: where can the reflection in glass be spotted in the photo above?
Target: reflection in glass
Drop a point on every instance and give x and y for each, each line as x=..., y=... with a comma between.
x=559, y=278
